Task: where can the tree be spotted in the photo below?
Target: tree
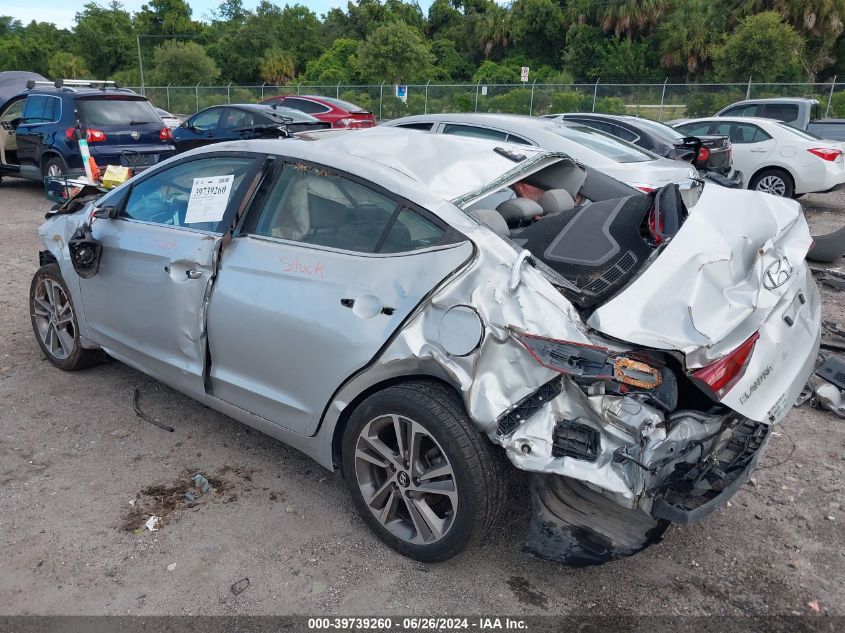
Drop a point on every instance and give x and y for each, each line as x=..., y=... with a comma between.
x=583, y=54
x=66, y=65
x=623, y=60
x=449, y=62
x=494, y=29
x=336, y=65
x=394, y=52
x=630, y=16
x=537, y=27
x=763, y=47
x=183, y=64
x=689, y=33
x=277, y=66
x=492, y=73
x=104, y=39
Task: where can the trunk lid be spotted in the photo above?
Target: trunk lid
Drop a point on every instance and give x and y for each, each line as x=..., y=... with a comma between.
x=736, y=267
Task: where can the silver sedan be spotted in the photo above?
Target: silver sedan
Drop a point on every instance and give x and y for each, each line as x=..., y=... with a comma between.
x=362, y=297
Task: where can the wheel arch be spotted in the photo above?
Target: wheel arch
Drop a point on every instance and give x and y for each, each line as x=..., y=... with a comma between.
x=773, y=167
x=47, y=155
x=349, y=409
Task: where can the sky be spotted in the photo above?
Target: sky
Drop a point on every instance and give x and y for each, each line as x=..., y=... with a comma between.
x=61, y=13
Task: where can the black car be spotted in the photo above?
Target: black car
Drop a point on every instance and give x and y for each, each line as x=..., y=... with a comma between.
x=40, y=128
x=707, y=153
x=238, y=122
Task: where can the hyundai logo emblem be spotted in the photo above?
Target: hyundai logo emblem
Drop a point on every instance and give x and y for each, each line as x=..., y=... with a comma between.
x=135, y=135
x=777, y=273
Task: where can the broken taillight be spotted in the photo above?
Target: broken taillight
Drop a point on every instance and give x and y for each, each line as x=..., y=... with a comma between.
x=567, y=357
x=720, y=376
x=703, y=154
x=166, y=134
x=826, y=153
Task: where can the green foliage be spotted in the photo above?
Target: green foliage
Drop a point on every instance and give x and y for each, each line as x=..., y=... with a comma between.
x=688, y=34
x=335, y=65
x=394, y=52
x=492, y=73
x=583, y=53
x=277, y=66
x=610, y=105
x=837, y=105
x=66, y=65
x=571, y=102
x=537, y=27
x=182, y=64
x=763, y=47
x=104, y=38
x=624, y=60
x=700, y=104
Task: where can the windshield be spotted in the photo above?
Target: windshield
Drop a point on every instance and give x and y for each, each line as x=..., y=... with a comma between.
x=662, y=131
x=604, y=144
x=807, y=136
x=105, y=112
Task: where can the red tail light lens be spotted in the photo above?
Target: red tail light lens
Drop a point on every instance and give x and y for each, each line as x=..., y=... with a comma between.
x=94, y=136
x=720, y=376
x=166, y=134
x=70, y=133
x=703, y=154
x=826, y=153
x=567, y=357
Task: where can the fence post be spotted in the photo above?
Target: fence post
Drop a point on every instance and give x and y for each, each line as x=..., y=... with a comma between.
x=830, y=97
x=380, y=99
x=595, y=93
x=168, y=97
x=197, y=93
x=531, y=103
x=476, y=94
x=748, y=91
x=337, y=91
x=425, y=107
x=662, y=97
x=262, y=90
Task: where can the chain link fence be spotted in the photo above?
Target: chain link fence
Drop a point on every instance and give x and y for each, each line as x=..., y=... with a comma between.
x=658, y=101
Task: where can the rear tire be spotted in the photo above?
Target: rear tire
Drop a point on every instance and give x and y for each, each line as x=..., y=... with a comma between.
x=436, y=490
x=54, y=322
x=774, y=181
x=54, y=166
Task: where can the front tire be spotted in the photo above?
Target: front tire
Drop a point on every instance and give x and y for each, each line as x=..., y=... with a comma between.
x=774, y=181
x=420, y=474
x=54, y=321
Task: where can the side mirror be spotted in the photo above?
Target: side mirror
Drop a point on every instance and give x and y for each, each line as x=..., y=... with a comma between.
x=106, y=213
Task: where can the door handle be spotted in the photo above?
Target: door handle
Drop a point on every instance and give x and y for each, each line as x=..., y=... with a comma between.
x=347, y=303
x=193, y=273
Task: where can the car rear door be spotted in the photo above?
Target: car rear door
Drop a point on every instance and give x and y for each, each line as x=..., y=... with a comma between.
x=324, y=271
x=750, y=144
x=146, y=303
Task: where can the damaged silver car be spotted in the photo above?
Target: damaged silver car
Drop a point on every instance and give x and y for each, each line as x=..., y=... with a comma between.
x=360, y=298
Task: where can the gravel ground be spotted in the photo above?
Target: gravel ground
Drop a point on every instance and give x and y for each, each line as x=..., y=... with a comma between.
x=73, y=454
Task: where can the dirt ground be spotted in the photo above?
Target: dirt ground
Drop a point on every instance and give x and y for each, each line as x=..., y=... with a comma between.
x=73, y=455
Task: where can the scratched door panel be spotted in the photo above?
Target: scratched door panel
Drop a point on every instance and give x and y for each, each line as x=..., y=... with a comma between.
x=288, y=323
x=143, y=306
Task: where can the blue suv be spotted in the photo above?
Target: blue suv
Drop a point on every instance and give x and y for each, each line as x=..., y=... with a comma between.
x=39, y=128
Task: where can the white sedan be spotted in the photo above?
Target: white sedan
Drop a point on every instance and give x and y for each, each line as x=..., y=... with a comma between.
x=775, y=157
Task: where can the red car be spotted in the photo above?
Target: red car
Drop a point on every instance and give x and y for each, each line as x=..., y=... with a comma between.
x=341, y=114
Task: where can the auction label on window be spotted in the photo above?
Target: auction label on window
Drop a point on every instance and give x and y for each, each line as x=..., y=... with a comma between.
x=209, y=197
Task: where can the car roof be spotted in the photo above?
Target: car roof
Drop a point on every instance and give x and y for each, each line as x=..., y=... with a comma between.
x=733, y=119
x=513, y=122
x=773, y=99
x=297, y=115
x=419, y=166
x=84, y=92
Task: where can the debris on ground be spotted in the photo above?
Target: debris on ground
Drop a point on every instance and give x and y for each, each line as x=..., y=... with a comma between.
x=153, y=523
x=171, y=567
x=824, y=389
x=829, y=277
x=814, y=605
x=201, y=482
x=239, y=587
x=136, y=397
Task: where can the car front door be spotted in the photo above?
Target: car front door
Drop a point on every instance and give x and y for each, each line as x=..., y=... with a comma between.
x=10, y=118
x=145, y=304
x=200, y=129
x=324, y=271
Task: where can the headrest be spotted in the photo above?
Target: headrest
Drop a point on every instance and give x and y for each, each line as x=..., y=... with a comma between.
x=556, y=200
x=493, y=220
x=516, y=210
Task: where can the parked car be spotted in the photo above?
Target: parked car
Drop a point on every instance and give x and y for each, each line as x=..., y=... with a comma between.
x=39, y=127
x=775, y=157
x=341, y=114
x=361, y=312
x=170, y=120
x=617, y=158
x=706, y=153
x=242, y=122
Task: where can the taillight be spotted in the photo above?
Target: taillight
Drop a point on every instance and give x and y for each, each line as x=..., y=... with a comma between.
x=567, y=357
x=94, y=136
x=720, y=376
x=70, y=133
x=703, y=154
x=656, y=231
x=826, y=153
x=347, y=122
x=166, y=134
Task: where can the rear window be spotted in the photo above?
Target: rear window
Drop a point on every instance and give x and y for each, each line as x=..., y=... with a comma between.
x=606, y=145
x=105, y=112
x=788, y=113
x=832, y=131
x=343, y=105
x=660, y=130
x=807, y=136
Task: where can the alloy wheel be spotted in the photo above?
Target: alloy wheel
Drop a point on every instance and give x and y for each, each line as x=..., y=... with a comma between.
x=54, y=170
x=774, y=185
x=54, y=318
x=406, y=479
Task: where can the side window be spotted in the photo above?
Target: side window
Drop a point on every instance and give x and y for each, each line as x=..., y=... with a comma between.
x=424, y=127
x=597, y=125
x=14, y=111
x=206, y=120
x=513, y=138
x=410, y=231
x=742, y=132
x=164, y=197
x=235, y=118
x=742, y=110
x=34, y=110
x=699, y=129
x=475, y=132
x=786, y=112
x=304, y=105
x=624, y=134
x=759, y=135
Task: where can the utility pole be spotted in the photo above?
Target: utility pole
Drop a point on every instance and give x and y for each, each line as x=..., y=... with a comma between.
x=140, y=62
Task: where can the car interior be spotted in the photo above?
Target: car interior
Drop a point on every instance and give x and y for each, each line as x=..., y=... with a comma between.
x=9, y=120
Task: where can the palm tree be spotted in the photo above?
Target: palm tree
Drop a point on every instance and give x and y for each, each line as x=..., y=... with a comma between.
x=629, y=16
x=494, y=29
x=688, y=34
x=277, y=67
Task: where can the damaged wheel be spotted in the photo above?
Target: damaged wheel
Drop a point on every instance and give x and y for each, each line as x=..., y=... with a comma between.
x=54, y=321
x=422, y=477
x=575, y=525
